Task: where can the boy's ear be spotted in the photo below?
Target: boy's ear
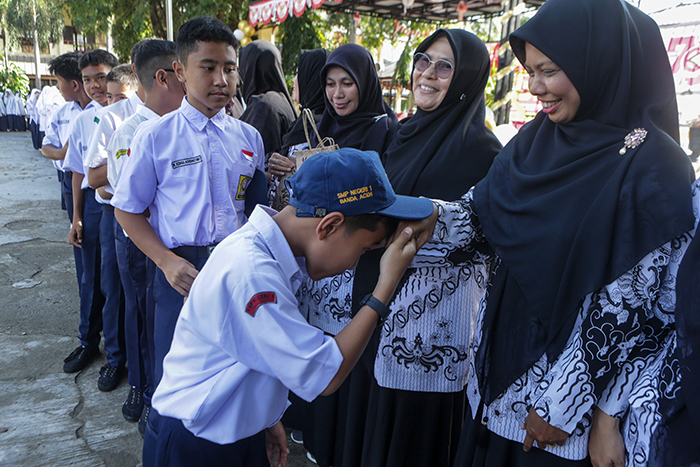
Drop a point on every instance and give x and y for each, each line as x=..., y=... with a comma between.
x=179, y=71
x=76, y=85
x=329, y=224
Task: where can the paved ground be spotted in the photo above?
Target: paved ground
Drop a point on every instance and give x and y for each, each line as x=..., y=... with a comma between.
x=47, y=417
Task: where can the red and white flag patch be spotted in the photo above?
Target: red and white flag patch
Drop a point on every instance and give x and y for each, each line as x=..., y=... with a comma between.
x=260, y=299
x=248, y=154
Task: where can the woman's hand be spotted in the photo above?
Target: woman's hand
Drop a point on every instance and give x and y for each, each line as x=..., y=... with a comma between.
x=605, y=445
x=396, y=258
x=276, y=445
x=279, y=166
x=422, y=229
x=542, y=432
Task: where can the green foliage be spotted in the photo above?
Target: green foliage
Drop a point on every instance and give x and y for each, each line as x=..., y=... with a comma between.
x=12, y=77
x=299, y=34
x=375, y=30
x=132, y=20
x=18, y=19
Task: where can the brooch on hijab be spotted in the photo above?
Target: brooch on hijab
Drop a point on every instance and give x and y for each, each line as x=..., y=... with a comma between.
x=634, y=139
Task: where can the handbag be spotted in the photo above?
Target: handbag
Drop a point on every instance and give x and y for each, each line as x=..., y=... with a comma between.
x=327, y=144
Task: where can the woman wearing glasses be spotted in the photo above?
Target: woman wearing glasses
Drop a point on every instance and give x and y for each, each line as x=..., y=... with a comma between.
x=417, y=366
x=589, y=210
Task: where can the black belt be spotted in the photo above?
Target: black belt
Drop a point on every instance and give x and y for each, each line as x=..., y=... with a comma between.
x=187, y=251
x=108, y=207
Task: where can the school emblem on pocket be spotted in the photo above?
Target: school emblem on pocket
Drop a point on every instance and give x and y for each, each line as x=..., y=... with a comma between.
x=243, y=183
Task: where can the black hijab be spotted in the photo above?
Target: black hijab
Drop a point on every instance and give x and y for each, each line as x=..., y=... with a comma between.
x=442, y=153
x=269, y=109
x=564, y=210
x=311, y=92
x=677, y=439
x=372, y=125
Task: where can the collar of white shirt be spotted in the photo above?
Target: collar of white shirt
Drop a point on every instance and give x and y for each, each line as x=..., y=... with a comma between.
x=261, y=219
x=146, y=112
x=198, y=119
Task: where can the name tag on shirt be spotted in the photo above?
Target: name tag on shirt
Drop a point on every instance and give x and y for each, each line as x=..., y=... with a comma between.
x=188, y=161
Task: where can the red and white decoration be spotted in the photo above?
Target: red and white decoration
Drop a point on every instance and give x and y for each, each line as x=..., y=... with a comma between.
x=278, y=10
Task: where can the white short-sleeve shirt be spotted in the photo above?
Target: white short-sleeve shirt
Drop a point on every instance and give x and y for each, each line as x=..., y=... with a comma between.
x=240, y=343
x=59, y=127
x=119, y=143
x=192, y=173
x=108, y=120
x=78, y=140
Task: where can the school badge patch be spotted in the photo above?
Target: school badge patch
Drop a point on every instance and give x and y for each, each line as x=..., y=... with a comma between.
x=122, y=152
x=258, y=300
x=243, y=183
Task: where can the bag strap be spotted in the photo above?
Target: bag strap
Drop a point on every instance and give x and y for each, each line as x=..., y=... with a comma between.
x=307, y=114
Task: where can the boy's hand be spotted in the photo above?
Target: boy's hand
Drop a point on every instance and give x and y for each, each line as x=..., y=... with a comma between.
x=542, y=432
x=75, y=236
x=276, y=444
x=179, y=272
x=397, y=257
x=279, y=165
x=606, y=446
x=422, y=229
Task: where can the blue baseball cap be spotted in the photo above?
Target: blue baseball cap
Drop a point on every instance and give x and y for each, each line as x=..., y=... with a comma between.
x=351, y=182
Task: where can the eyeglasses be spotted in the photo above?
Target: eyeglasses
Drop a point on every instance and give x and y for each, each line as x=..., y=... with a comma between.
x=443, y=68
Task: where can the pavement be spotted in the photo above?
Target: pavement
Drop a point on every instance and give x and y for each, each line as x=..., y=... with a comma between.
x=48, y=417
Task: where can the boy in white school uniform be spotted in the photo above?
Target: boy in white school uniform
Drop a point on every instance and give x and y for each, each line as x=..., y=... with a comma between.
x=190, y=171
x=153, y=64
x=87, y=215
x=121, y=86
x=241, y=343
x=66, y=69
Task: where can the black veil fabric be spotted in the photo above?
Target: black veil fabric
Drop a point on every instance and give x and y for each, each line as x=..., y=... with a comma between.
x=564, y=210
x=442, y=153
x=372, y=125
x=269, y=109
x=677, y=439
x=311, y=92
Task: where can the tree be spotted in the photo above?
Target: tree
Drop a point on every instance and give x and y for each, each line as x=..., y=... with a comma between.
x=12, y=77
x=132, y=20
x=42, y=20
x=299, y=34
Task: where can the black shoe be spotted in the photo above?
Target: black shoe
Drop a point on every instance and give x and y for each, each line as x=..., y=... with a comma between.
x=79, y=359
x=133, y=406
x=143, y=421
x=109, y=377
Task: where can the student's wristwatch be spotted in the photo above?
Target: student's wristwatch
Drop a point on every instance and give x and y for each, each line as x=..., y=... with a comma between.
x=382, y=310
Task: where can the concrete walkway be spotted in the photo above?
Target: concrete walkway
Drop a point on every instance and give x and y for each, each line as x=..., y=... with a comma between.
x=47, y=417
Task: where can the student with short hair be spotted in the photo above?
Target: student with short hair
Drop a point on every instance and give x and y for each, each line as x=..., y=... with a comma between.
x=87, y=215
x=163, y=94
x=241, y=343
x=122, y=83
x=66, y=69
x=191, y=171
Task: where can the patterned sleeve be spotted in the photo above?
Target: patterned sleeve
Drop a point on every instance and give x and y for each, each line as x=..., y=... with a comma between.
x=621, y=326
x=457, y=235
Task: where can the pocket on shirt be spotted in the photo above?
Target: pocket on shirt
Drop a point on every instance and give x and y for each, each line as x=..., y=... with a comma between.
x=239, y=178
